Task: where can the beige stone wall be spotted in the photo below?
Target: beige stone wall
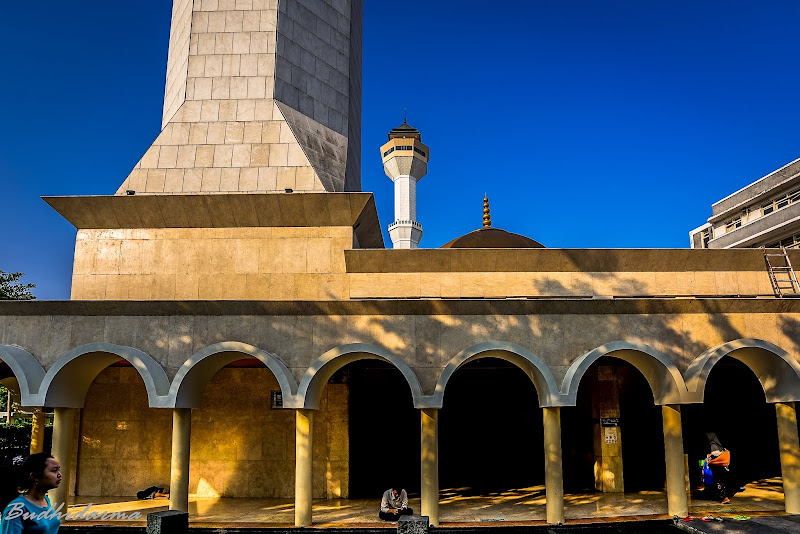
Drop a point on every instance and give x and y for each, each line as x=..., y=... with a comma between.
x=427, y=342
x=240, y=447
x=123, y=446
x=556, y=284
x=214, y=263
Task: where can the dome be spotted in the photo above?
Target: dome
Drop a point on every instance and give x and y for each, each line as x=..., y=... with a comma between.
x=492, y=238
x=488, y=237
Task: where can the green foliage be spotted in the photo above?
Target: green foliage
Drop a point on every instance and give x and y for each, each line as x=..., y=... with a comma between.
x=12, y=289
x=3, y=398
x=15, y=440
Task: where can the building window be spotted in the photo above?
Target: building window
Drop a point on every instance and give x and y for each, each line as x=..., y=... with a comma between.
x=706, y=237
x=792, y=241
x=388, y=152
x=420, y=152
x=405, y=147
x=780, y=202
x=733, y=224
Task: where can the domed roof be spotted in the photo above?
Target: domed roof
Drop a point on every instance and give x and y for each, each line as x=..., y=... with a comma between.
x=492, y=238
x=488, y=237
x=405, y=130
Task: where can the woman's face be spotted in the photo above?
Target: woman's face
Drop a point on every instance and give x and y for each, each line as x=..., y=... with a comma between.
x=51, y=477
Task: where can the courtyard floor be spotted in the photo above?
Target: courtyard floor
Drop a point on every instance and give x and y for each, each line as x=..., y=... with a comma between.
x=457, y=506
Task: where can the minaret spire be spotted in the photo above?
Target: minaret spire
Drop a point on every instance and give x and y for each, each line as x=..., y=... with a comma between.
x=405, y=161
x=487, y=218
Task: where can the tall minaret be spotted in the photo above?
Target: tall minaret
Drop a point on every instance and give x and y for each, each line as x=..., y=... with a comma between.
x=405, y=161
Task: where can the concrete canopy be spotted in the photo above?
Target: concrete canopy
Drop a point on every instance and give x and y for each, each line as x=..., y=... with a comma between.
x=66, y=383
x=532, y=365
x=192, y=378
x=660, y=372
x=776, y=370
x=315, y=378
x=25, y=368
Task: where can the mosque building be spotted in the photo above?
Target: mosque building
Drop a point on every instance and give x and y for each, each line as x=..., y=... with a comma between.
x=238, y=328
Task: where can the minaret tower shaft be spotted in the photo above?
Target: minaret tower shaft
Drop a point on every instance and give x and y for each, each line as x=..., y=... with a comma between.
x=405, y=161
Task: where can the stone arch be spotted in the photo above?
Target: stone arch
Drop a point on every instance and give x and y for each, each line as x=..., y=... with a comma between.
x=26, y=369
x=666, y=381
x=315, y=378
x=532, y=365
x=776, y=370
x=189, y=384
x=66, y=383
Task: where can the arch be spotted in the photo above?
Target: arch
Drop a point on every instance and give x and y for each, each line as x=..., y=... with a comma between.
x=776, y=370
x=315, y=378
x=532, y=365
x=26, y=369
x=666, y=381
x=67, y=381
x=186, y=390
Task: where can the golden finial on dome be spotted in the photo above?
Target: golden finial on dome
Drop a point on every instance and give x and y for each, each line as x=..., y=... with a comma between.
x=487, y=219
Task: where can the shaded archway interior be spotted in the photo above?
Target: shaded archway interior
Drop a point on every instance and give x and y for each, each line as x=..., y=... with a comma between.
x=384, y=429
x=640, y=429
x=490, y=430
x=735, y=408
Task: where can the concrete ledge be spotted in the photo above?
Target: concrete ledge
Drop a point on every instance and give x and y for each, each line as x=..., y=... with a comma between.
x=538, y=306
x=225, y=210
x=168, y=522
x=413, y=524
x=543, y=260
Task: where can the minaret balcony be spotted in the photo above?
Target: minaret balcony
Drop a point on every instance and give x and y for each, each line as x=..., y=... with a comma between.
x=415, y=224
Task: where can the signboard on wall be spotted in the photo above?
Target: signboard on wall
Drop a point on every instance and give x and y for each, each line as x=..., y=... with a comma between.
x=276, y=399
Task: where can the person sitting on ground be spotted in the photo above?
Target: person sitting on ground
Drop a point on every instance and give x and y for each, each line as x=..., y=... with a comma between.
x=394, y=504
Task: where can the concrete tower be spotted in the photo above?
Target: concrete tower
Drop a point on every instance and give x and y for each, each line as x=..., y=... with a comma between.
x=405, y=161
x=261, y=96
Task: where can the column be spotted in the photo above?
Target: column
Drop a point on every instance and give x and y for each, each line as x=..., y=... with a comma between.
x=9, y=402
x=303, y=482
x=37, y=431
x=429, y=463
x=677, y=502
x=179, y=465
x=553, y=474
x=62, y=451
x=608, y=476
x=790, y=454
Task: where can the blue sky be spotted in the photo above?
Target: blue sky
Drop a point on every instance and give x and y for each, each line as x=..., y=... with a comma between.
x=590, y=124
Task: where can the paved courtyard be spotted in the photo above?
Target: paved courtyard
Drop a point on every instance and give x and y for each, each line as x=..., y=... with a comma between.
x=458, y=506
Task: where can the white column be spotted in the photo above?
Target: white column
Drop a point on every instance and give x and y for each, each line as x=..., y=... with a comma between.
x=303, y=481
x=429, y=463
x=790, y=455
x=179, y=466
x=677, y=502
x=553, y=473
x=62, y=451
x=405, y=198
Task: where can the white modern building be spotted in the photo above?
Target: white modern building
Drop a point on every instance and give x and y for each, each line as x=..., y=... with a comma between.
x=764, y=213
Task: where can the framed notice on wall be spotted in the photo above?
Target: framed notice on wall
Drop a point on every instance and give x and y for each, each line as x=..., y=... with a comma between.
x=276, y=399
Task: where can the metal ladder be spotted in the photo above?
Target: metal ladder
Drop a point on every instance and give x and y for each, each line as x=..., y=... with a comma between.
x=781, y=274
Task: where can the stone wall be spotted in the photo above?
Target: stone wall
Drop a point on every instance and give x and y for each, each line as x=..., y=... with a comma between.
x=240, y=447
x=216, y=263
x=425, y=334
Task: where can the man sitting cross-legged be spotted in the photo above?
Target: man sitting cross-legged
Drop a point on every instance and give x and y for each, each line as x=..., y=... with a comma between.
x=394, y=504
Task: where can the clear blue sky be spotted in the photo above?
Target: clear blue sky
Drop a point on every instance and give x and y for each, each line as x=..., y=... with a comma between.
x=590, y=124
